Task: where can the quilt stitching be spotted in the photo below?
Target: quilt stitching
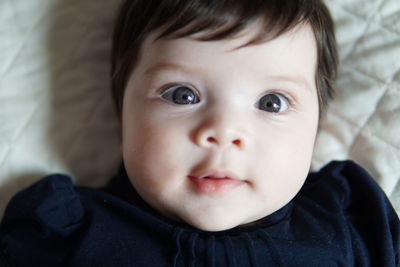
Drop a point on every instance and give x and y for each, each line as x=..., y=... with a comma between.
x=349, y=11
x=389, y=184
x=376, y=78
x=362, y=128
x=382, y=140
x=386, y=72
x=371, y=19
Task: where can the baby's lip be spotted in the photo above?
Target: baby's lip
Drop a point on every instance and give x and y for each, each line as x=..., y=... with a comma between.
x=215, y=182
x=216, y=174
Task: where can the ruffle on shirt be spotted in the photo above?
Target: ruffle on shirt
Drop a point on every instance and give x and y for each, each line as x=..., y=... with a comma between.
x=37, y=219
x=250, y=245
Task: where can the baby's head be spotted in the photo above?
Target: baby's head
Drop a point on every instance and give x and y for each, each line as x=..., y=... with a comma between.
x=220, y=103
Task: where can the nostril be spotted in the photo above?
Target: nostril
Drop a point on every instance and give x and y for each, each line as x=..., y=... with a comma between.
x=211, y=140
x=237, y=142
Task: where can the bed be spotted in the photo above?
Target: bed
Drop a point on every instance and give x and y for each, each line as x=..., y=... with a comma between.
x=56, y=114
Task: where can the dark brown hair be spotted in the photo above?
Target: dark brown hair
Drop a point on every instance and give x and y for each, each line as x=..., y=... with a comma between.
x=220, y=19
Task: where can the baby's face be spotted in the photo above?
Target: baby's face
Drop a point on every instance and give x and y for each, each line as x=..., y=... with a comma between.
x=218, y=136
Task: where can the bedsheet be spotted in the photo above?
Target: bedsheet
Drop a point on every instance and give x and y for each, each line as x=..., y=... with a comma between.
x=56, y=113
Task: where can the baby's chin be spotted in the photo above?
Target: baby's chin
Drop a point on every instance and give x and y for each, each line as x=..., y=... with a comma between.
x=222, y=223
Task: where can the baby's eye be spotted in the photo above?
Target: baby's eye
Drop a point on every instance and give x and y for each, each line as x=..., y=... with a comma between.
x=181, y=95
x=274, y=103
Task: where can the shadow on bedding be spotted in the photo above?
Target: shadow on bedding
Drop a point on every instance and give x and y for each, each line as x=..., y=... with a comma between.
x=83, y=130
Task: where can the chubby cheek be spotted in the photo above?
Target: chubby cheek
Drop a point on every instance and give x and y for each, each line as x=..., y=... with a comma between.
x=152, y=152
x=283, y=161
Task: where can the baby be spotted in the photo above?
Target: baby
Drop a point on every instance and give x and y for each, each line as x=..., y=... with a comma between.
x=219, y=104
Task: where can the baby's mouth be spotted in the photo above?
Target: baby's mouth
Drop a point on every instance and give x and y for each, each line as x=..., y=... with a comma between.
x=215, y=183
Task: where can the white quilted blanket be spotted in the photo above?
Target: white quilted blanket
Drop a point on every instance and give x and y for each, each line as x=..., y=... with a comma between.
x=56, y=113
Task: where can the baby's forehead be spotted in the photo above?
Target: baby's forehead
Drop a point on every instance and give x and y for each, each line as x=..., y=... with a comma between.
x=249, y=37
x=290, y=57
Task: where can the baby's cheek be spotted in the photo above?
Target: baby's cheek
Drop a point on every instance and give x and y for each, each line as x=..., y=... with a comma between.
x=282, y=161
x=156, y=151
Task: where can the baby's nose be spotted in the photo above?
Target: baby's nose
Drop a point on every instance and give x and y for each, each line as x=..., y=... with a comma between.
x=221, y=130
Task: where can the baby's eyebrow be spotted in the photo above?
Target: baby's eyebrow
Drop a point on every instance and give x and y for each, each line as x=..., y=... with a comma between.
x=296, y=79
x=292, y=78
x=166, y=66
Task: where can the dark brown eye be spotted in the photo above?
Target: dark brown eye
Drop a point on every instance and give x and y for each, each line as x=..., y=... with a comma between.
x=180, y=95
x=273, y=103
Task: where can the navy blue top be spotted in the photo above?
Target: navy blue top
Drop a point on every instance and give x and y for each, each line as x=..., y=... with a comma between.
x=340, y=218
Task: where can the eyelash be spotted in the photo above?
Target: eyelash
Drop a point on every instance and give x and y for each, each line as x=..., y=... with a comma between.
x=168, y=87
x=286, y=96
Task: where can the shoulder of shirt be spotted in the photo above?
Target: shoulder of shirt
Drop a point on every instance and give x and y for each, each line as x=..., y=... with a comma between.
x=342, y=185
x=345, y=189
x=50, y=209
x=54, y=213
x=52, y=202
x=56, y=203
